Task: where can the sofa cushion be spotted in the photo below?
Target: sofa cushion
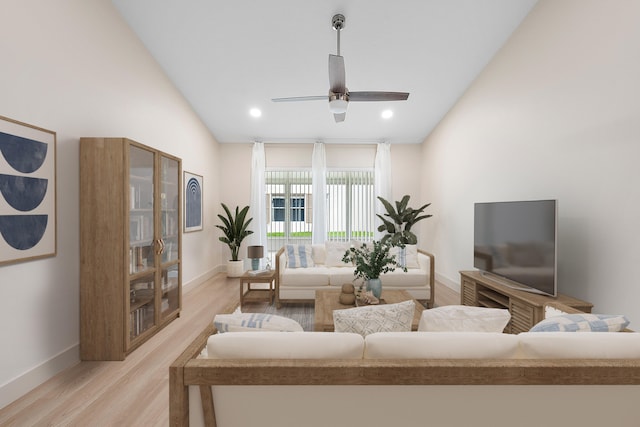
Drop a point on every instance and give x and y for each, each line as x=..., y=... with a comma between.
x=299, y=256
x=239, y=322
x=308, y=277
x=441, y=345
x=318, y=253
x=587, y=345
x=413, y=277
x=277, y=345
x=334, y=251
x=462, y=318
x=582, y=322
x=338, y=276
x=375, y=318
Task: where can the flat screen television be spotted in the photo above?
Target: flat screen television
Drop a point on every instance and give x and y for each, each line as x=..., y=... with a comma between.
x=517, y=241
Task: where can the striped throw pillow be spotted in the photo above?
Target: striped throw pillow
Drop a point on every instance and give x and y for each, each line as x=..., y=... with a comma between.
x=299, y=256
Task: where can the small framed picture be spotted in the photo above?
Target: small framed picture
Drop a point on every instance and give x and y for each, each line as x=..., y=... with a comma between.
x=192, y=202
x=27, y=192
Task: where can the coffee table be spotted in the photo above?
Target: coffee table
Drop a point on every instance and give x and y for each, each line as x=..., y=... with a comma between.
x=328, y=300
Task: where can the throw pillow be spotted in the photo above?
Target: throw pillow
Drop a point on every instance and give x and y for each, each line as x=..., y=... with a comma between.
x=241, y=322
x=375, y=318
x=582, y=322
x=407, y=258
x=299, y=256
x=462, y=318
x=334, y=253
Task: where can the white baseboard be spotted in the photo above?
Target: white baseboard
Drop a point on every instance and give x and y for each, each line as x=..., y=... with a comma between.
x=455, y=285
x=21, y=385
x=186, y=286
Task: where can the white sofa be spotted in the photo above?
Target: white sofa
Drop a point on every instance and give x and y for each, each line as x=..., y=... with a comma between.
x=406, y=378
x=328, y=272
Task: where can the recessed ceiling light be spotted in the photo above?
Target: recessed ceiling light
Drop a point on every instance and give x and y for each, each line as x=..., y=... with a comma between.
x=255, y=112
x=387, y=114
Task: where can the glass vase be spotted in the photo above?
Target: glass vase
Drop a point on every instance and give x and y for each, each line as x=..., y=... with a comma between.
x=375, y=286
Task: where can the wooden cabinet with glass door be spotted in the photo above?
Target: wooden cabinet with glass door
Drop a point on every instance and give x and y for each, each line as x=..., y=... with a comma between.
x=130, y=268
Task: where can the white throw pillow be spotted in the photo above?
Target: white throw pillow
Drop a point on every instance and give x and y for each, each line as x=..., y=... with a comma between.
x=409, y=258
x=334, y=253
x=375, y=318
x=243, y=322
x=299, y=256
x=463, y=318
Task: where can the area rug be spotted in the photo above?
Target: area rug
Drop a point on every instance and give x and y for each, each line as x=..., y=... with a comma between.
x=301, y=312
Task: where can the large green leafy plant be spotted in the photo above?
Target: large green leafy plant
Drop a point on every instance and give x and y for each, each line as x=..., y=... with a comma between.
x=371, y=260
x=234, y=228
x=398, y=222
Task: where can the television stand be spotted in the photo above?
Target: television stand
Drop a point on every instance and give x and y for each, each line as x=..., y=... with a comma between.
x=511, y=285
x=526, y=308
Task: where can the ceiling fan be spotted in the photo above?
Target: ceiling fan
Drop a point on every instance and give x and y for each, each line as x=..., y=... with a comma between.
x=339, y=96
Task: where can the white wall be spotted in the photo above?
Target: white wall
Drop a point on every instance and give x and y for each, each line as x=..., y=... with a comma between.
x=554, y=115
x=74, y=67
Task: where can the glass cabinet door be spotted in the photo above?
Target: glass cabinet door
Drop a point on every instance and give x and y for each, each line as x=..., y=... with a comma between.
x=142, y=308
x=142, y=246
x=170, y=232
x=169, y=206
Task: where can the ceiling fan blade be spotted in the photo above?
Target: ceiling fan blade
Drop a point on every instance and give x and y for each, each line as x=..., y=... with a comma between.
x=339, y=117
x=378, y=96
x=336, y=74
x=301, y=98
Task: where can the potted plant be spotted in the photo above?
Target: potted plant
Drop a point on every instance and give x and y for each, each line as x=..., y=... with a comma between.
x=370, y=261
x=234, y=227
x=399, y=222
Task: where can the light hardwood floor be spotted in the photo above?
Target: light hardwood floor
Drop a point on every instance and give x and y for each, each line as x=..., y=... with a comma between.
x=134, y=392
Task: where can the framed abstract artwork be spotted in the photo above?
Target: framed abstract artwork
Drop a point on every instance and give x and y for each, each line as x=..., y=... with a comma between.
x=192, y=202
x=27, y=192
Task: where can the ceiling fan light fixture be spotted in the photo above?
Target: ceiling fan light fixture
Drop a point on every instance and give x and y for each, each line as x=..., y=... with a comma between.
x=338, y=106
x=255, y=112
x=387, y=114
x=338, y=103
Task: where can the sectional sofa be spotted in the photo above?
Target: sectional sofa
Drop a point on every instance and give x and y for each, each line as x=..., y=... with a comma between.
x=406, y=378
x=303, y=269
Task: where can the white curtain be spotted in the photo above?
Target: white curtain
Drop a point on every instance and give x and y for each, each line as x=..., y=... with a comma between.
x=382, y=171
x=319, y=189
x=258, y=208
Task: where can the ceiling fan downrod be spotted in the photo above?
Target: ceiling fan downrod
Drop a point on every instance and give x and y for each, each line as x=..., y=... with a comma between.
x=338, y=24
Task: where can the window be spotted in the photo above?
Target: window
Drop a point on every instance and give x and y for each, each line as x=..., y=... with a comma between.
x=350, y=206
x=288, y=208
x=297, y=208
x=277, y=208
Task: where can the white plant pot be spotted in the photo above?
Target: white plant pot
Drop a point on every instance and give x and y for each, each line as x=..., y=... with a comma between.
x=235, y=268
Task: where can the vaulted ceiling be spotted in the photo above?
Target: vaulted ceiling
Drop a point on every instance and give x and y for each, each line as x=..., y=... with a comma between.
x=227, y=57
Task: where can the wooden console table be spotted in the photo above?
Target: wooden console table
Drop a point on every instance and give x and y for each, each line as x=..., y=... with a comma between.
x=526, y=308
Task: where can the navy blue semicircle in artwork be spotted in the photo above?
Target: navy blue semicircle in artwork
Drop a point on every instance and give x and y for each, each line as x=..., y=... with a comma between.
x=23, y=232
x=23, y=154
x=193, y=204
x=23, y=193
